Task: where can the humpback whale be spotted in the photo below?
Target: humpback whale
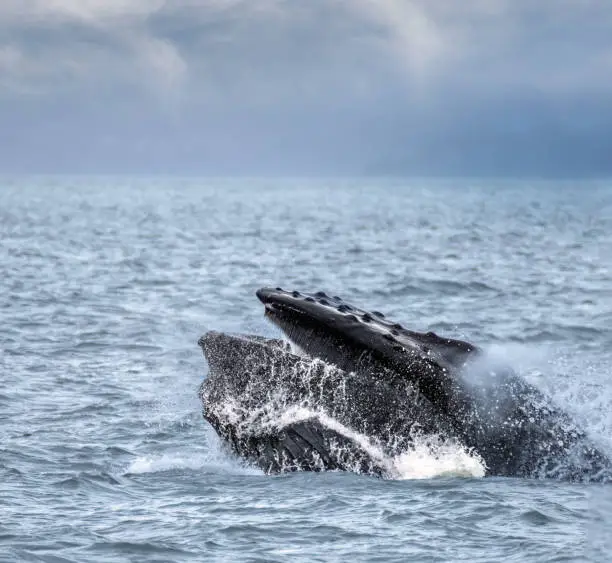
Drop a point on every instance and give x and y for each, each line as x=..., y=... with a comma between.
x=361, y=388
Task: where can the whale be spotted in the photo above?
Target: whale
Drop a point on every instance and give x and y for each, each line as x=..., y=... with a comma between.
x=398, y=385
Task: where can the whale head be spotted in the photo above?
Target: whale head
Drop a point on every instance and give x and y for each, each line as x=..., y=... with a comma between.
x=356, y=340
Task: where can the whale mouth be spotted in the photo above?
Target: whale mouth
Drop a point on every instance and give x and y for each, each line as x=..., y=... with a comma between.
x=356, y=340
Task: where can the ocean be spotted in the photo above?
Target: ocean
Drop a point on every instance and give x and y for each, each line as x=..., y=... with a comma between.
x=108, y=282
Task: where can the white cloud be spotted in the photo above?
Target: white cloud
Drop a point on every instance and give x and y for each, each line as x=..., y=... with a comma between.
x=61, y=43
x=418, y=40
x=277, y=48
x=162, y=58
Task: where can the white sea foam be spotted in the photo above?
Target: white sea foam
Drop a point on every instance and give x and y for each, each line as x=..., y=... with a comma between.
x=214, y=459
x=442, y=459
x=165, y=462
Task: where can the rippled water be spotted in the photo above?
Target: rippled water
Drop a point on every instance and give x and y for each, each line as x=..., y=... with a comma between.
x=108, y=283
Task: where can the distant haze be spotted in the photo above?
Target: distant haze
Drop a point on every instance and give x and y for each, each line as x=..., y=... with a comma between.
x=312, y=87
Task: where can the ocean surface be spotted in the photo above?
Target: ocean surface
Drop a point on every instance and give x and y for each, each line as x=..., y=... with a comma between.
x=107, y=283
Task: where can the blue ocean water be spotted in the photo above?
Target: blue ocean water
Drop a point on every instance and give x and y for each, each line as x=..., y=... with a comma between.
x=109, y=282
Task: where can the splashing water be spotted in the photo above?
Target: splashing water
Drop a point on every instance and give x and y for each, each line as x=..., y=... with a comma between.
x=557, y=374
x=216, y=460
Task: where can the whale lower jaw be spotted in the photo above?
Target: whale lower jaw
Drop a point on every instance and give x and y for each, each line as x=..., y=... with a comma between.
x=286, y=412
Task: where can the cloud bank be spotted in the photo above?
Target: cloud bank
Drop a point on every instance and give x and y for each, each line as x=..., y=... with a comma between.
x=321, y=87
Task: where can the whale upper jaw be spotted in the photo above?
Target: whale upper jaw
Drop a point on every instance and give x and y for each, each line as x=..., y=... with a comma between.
x=294, y=312
x=357, y=340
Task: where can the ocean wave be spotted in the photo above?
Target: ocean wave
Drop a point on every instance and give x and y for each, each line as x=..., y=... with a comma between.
x=215, y=462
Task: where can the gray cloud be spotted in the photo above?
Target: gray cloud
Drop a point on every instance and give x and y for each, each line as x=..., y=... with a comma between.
x=329, y=86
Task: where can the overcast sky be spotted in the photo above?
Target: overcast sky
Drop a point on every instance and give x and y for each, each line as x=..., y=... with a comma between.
x=292, y=87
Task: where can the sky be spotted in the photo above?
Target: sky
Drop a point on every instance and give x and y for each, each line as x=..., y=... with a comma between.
x=307, y=87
